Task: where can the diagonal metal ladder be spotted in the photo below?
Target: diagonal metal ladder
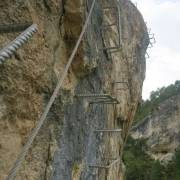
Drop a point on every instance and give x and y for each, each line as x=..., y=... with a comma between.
x=109, y=163
x=106, y=98
x=109, y=26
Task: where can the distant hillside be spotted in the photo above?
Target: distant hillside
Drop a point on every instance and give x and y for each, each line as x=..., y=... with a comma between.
x=156, y=97
x=153, y=150
x=161, y=129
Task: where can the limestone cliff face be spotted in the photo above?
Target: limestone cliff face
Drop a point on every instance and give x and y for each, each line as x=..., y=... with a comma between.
x=161, y=129
x=66, y=144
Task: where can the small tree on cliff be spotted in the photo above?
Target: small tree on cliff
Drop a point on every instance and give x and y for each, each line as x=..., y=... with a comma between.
x=156, y=171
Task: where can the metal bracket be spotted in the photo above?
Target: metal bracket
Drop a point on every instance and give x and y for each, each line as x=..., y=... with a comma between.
x=135, y=3
x=109, y=7
x=105, y=166
x=99, y=98
x=151, y=38
x=147, y=56
x=108, y=130
x=11, y=28
x=111, y=48
x=106, y=26
x=122, y=82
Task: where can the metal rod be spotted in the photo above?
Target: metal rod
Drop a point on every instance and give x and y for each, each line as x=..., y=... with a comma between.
x=119, y=26
x=105, y=26
x=147, y=55
x=121, y=89
x=106, y=167
x=99, y=166
x=121, y=82
x=109, y=7
x=150, y=45
x=115, y=51
x=111, y=48
x=109, y=130
x=114, y=162
x=4, y=28
x=154, y=40
x=100, y=98
x=104, y=102
x=92, y=95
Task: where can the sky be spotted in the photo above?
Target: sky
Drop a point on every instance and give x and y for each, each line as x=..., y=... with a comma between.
x=163, y=66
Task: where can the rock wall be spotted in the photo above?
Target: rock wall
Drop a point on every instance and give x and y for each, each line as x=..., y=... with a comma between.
x=161, y=129
x=67, y=144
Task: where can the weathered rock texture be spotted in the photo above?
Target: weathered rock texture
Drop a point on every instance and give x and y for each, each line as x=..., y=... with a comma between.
x=67, y=144
x=161, y=129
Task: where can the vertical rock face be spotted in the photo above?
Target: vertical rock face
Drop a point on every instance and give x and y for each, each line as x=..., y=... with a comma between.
x=161, y=129
x=67, y=143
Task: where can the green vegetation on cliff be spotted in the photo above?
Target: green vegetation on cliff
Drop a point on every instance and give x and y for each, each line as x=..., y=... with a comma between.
x=156, y=97
x=140, y=166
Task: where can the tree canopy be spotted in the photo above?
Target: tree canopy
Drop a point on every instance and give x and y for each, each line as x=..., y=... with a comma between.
x=140, y=166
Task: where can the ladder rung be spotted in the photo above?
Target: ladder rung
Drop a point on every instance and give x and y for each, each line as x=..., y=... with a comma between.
x=109, y=7
x=99, y=166
x=92, y=95
x=99, y=98
x=116, y=161
x=109, y=130
x=121, y=82
x=130, y=57
x=10, y=28
x=104, y=102
x=111, y=48
x=104, y=26
x=105, y=167
x=120, y=89
x=116, y=51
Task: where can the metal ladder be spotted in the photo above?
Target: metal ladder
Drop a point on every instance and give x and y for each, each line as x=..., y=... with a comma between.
x=106, y=98
x=106, y=26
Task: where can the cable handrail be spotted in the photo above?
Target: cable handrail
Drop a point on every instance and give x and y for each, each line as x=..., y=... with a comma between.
x=35, y=131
